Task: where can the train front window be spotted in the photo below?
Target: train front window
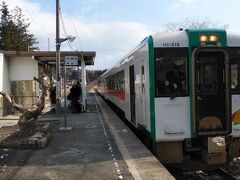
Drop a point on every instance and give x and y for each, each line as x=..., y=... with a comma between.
x=207, y=76
x=170, y=72
x=235, y=70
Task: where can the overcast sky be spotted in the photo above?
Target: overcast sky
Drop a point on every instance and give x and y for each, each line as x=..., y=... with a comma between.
x=113, y=27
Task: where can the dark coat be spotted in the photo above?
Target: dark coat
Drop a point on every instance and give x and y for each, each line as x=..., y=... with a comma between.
x=75, y=93
x=53, y=95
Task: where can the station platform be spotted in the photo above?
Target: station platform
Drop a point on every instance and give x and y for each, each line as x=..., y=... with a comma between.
x=99, y=146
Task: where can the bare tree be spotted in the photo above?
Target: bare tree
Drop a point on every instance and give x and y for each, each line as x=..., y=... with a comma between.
x=28, y=119
x=194, y=23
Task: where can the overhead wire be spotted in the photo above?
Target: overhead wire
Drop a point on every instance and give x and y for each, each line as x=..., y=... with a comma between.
x=69, y=10
x=71, y=17
x=64, y=29
x=42, y=7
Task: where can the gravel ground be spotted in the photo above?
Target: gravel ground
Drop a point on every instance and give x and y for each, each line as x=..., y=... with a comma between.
x=233, y=167
x=11, y=160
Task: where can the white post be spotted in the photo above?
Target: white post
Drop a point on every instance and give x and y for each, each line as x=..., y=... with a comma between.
x=84, y=83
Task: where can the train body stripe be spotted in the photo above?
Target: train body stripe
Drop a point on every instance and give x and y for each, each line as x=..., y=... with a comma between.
x=152, y=87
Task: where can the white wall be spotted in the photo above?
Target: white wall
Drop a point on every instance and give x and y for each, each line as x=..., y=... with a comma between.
x=4, y=74
x=22, y=68
x=1, y=71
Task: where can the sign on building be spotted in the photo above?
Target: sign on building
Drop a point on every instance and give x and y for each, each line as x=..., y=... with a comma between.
x=71, y=61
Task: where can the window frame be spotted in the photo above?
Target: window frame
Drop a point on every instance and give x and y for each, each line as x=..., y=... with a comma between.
x=234, y=59
x=172, y=52
x=116, y=82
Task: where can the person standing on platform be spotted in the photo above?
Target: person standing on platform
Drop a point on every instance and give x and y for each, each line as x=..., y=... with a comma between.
x=53, y=98
x=74, y=96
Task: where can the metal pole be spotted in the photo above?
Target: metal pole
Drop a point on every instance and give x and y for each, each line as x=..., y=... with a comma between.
x=65, y=97
x=58, y=75
x=84, y=93
x=65, y=128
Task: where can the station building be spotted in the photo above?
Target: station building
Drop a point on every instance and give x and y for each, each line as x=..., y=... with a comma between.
x=18, y=68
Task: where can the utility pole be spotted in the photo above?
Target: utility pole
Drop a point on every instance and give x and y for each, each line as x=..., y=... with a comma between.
x=58, y=74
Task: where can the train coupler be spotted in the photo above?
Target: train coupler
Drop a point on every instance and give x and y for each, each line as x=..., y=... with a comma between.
x=215, y=152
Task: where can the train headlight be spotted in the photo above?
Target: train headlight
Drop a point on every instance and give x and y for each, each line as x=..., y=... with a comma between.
x=203, y=38
x=213, y=38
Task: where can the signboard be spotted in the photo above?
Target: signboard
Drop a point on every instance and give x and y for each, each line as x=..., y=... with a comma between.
x=71, y=61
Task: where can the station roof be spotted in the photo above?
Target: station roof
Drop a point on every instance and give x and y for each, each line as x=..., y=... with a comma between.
x=49, y=57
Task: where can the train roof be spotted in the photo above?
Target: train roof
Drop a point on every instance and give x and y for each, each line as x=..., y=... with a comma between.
x=233, y=40
x=167, y=39
x=182, y=38
x=175, y=39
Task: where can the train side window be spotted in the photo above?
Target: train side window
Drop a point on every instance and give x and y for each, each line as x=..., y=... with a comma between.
x=235, y=69
x=171, y=73
x=116, y=82
x=235, y=77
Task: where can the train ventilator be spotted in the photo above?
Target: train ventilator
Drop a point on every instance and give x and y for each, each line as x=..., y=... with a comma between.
x=181, y=91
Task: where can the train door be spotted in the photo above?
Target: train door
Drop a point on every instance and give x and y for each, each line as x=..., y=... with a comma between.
x=132, y=94
x=211, y=94
x=142, y=94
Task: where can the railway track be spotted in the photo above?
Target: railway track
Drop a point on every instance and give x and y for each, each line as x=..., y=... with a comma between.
x=216, y=174
x=226, y=174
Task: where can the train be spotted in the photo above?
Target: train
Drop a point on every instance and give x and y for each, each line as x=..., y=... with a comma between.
x=181, y=91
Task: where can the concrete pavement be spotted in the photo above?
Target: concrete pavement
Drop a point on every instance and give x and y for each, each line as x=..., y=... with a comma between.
x=99, y=146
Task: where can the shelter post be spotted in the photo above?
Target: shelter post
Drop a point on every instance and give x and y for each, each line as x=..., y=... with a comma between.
x=83, y=84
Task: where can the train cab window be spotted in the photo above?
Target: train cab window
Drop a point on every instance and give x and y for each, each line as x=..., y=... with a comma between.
x=235, y=76
x=171, y=72
x=208, y=77
x=235, y=70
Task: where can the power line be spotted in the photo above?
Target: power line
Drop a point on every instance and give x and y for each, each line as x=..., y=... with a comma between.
x=64, y=30
x=42, y=7
x=69, y=10
x=71, y=17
